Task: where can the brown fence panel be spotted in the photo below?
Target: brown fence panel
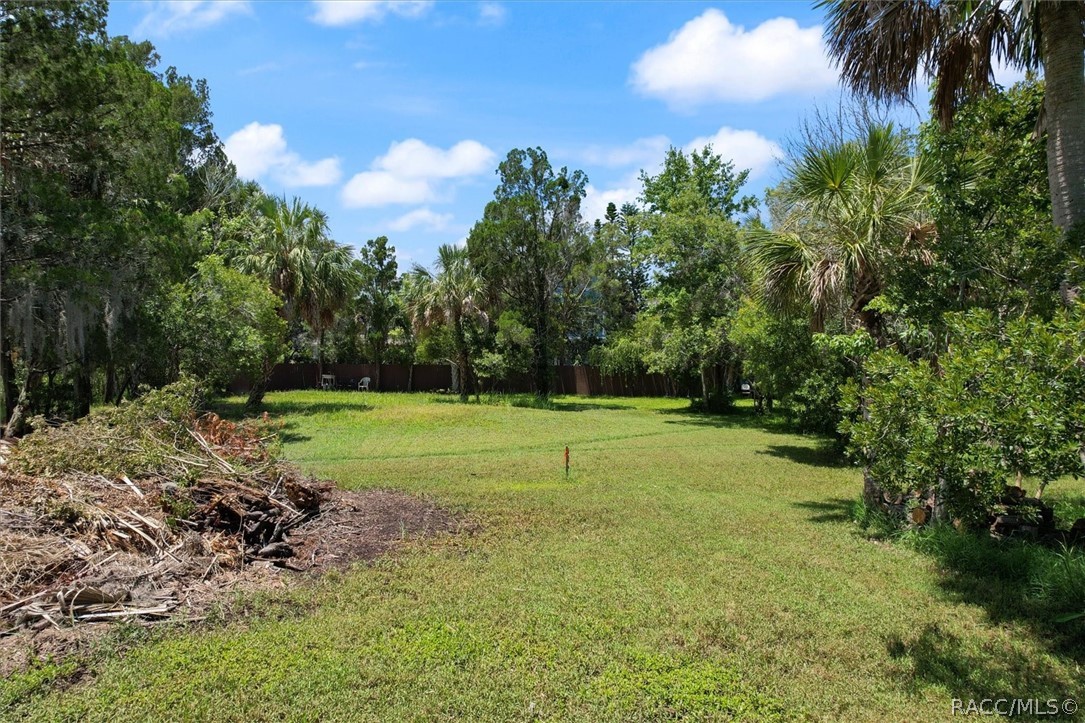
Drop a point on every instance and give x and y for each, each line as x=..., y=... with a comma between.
x=579, y=380
x=431, y=377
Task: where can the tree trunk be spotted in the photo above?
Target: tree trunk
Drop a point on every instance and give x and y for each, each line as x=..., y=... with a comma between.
x=378, y=352
x=84, y=392
x=1064, y=109
x=110, y=380
x=258, y=387
x=320, y=356
x=542, y=356
x=410, y=377
x=704, y=389
x=872, y=491
x=128, y=377
x=256, y=394
x=16, y=425
x=47, y=404
x=461, y=355
x=7, y=384
x=461, y=372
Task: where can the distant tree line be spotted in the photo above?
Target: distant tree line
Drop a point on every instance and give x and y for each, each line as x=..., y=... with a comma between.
x=873, y=285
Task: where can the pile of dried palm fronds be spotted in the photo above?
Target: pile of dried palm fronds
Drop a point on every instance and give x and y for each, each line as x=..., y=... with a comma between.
x=139, y=511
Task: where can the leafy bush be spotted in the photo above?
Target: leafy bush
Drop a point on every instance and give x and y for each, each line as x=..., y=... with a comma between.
x=777, y=351
x=1006, y=400
x=815, y=405
x=511, y=353
x=223, y=323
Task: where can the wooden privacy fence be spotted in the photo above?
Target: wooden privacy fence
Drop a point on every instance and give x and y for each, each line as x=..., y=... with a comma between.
x=579, y=380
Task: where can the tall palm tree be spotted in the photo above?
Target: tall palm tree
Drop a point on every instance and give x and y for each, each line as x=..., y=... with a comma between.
x=883, y=46
x=328, y=286
x=284, y=255
x=843, y=208
x=450, y=296
x=311, y=273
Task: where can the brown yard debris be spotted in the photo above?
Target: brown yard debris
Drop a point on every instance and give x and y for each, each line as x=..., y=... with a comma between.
x=81, y=549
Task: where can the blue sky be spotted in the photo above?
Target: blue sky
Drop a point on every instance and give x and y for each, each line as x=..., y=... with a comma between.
x=392, y=117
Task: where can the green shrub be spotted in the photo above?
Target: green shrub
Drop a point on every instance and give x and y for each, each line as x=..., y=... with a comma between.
x=815, y=406
x=1006, y=401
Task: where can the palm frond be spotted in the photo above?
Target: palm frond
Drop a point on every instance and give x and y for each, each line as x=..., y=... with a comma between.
x=883, y=47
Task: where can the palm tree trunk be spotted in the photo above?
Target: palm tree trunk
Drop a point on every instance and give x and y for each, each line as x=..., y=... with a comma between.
x=1064, y=109
x=867, y=288
x=461, y=354
x=461, y=369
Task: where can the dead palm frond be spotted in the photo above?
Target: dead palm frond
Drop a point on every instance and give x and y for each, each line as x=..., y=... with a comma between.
x=884, y=47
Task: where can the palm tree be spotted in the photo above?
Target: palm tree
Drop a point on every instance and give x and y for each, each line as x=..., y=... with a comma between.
x=311, y=273
x=843, y=207
x=328, y=286
x=283, y=255
x=449, y=296
x=882, y=46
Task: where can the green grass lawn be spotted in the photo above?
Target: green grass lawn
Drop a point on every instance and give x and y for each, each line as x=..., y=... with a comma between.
x=691, y=566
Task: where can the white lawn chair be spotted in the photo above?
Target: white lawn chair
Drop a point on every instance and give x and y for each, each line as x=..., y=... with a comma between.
x=363, y=386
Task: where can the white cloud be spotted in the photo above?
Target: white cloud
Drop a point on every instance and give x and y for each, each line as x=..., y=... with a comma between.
x=414, y=159
x=748, y=149
x=411, y=172
x=259, y=150
x=491, y=13
x=165, y=18
x=369, y=64
x=709, y=59
x=318, y=173
x=380, y=188
x=262, y=68
x=421, y=218
x=594, y=205
x=348, y=12
x=642, y=152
